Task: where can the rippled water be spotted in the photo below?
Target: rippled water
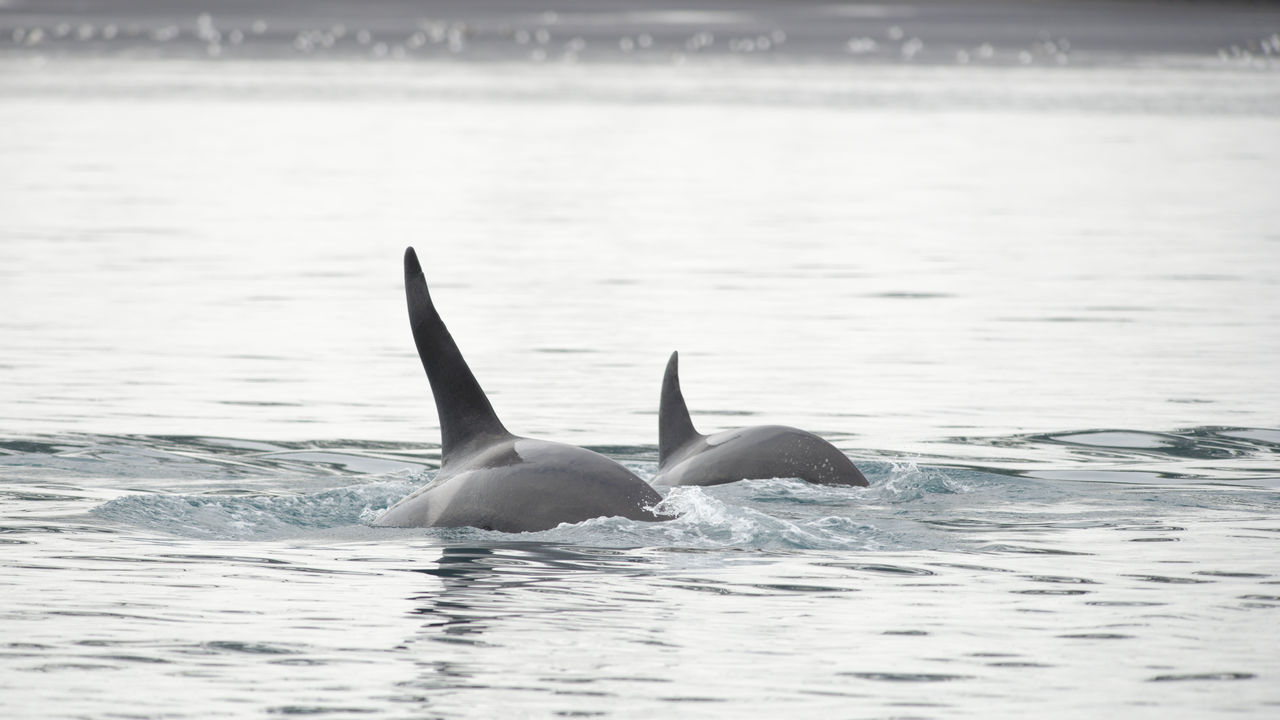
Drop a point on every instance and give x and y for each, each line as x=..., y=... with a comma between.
x=240, y=576
x=1037, y=305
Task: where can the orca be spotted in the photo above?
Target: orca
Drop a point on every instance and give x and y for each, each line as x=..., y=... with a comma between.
x=489, y=478
x=686, y=457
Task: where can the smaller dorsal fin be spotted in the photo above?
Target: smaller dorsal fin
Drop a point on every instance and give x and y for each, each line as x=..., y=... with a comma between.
x=463, y=408
x=675, y=428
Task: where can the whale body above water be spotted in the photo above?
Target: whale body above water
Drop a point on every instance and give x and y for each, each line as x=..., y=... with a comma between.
x=686, y=457
x=490, y=478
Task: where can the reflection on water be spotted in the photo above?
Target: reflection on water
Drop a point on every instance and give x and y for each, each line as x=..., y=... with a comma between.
x=549, y=614
x=474, y=581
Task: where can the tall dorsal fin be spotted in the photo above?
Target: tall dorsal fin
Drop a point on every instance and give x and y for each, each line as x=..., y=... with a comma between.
x=675, y=428
x=464, y=411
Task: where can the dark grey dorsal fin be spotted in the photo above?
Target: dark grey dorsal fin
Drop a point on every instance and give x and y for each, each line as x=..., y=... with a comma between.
x=464, y=411
x=675, y=428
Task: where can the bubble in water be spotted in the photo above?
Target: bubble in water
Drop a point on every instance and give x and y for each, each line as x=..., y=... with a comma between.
x=860, y=45
x=911, y=48
x=205, y=30
x=699, y=41
x=165, y=34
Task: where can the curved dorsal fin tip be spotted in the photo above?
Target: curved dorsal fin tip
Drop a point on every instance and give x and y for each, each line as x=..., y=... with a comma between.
x=675, y=427
x=411, y=264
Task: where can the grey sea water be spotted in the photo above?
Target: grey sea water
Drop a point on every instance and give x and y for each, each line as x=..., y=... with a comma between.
x=1019, y=265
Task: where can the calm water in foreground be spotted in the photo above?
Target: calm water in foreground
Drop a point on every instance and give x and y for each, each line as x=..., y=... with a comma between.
x=1037, y=305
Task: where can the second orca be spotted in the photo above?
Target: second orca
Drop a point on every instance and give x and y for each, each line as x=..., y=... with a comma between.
x=686, y=457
